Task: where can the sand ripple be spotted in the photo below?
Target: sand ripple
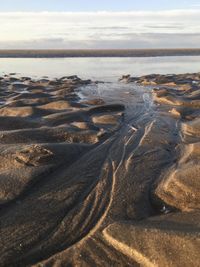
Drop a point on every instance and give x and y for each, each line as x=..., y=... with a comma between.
x=99, y=182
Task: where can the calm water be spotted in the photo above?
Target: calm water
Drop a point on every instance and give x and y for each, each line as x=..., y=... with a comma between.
x=109, y=69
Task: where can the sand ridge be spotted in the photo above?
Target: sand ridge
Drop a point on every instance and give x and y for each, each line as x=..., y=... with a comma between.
x=95, y=182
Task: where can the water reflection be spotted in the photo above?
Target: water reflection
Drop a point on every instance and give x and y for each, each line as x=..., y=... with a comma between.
x=109, y=69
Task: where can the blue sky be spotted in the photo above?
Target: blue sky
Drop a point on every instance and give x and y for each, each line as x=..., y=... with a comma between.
x=94, y=5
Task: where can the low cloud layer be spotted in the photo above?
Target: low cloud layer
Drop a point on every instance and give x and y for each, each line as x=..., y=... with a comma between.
x=164, y=29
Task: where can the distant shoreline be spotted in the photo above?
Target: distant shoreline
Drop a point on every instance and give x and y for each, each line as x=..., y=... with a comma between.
x=98, y=53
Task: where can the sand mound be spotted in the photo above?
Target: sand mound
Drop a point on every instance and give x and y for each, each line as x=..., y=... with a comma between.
x=22, y=166
x=57, y=105
x=106, y=119
x=95, y=102
x=180, y=189
x=81, y=125
x=142, y=241
x=33, y=156
x=48, y=135
x=181, y=185
x=17, y=111
x=14, y=123
x=28, y=102
x=192, y=128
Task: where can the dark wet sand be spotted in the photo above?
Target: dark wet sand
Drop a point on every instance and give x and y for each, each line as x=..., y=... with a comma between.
x=98, y=53
x=103, y=181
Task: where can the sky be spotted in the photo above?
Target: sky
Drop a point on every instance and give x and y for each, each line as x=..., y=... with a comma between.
x=94, y=5
x=67, y=24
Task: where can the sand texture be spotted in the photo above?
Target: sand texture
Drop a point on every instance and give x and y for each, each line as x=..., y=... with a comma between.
x=108, y=179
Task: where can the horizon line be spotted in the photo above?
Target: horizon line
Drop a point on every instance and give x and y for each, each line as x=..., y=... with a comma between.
x=76, y=53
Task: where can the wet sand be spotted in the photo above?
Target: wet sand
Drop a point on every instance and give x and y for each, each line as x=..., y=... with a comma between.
x=99, y=174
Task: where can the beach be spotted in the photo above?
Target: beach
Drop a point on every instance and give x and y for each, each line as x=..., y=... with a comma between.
x=98, y=177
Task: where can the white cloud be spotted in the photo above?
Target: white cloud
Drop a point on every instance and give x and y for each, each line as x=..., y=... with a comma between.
x=195, y=5
x=175, y=28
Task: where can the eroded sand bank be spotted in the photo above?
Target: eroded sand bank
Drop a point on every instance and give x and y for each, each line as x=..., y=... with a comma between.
x=95, y=174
